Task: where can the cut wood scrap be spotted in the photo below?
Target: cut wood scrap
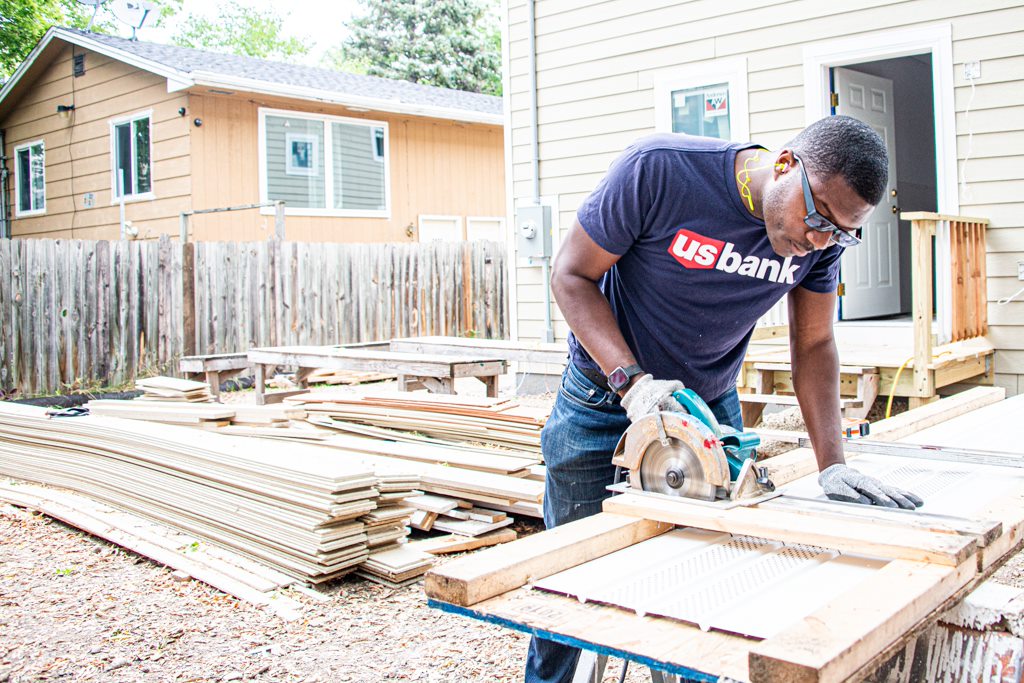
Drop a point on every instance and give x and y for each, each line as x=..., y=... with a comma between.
x=423, y=520
x=469, y=527
x=497, y=570
x=436, y=504
x=454, y=543
x=171, y=384
x=850, y=535
x=334, y=376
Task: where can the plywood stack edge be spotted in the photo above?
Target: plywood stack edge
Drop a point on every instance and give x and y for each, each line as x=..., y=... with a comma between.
x=298, y=514
x=460, y=418
x=174, y=389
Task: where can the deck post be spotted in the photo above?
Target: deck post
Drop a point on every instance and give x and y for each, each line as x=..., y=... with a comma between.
x=921, y=289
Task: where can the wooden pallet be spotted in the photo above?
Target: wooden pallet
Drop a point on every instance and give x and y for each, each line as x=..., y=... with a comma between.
x=927, y=562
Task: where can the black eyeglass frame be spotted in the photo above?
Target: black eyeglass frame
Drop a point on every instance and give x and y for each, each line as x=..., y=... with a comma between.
x=815, y=221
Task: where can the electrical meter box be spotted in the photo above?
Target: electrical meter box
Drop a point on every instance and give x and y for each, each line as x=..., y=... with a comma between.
x=533, y=231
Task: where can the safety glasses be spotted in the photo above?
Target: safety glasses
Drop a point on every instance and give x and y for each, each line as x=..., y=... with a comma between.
x=815, y=221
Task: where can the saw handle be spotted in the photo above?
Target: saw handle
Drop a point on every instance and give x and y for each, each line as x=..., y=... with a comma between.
x=695, y=405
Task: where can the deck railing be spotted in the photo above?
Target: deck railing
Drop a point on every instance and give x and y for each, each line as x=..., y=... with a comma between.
x=959, y=270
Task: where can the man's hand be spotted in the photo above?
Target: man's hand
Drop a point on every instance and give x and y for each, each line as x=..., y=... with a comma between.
x=850, y=486
x=649, y=395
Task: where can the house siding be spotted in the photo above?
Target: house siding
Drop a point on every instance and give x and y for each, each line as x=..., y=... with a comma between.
x=598, y=63
x=437, y=167
x=78, y=158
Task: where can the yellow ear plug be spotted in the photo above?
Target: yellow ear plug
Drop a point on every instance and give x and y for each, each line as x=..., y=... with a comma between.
x=744, y=182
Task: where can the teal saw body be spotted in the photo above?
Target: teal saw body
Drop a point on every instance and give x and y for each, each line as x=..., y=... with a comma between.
x=687, y=453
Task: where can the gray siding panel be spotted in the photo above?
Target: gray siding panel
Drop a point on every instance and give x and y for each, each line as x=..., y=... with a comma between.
x=358, y=174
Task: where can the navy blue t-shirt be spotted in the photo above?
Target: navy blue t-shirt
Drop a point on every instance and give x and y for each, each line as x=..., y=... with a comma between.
x=696, y=270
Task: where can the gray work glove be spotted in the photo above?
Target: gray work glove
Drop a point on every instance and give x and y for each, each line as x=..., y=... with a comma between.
x=850, y=486
x=649, y=395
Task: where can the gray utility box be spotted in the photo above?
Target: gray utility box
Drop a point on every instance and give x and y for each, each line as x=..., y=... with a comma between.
x=533, y=231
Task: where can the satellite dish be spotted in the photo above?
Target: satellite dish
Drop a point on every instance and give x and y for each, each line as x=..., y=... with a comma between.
x=132, y=12
x=95, y=4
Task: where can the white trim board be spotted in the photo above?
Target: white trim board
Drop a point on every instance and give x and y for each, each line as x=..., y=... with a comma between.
x=936, y=40
x=732, y=71
x=328, y=156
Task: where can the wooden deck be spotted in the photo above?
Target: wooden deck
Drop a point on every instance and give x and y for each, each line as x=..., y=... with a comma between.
x=767, y=370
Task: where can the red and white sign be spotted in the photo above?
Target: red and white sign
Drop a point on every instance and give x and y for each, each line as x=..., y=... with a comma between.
x=716, y=103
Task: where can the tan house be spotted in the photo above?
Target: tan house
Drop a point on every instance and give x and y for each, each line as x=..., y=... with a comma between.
x=943, y=81
x=89, y=119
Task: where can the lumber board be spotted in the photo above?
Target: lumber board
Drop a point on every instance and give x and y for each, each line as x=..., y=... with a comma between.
x=835, y=642
x=37, y=499
x=848, y=535
x=664, y=644
x=500, y=569
x=453, y=543
x=800, y=462
x=421, y=365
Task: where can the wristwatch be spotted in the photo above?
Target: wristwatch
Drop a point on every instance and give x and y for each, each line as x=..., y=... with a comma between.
x=620, y=376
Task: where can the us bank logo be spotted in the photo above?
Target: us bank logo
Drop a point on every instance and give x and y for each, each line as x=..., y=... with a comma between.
x=698, y=252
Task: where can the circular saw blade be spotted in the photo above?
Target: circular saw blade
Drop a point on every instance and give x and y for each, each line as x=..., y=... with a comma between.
x=674, y=471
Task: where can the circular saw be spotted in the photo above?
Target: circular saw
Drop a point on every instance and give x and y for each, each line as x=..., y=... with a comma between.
x=687, y=453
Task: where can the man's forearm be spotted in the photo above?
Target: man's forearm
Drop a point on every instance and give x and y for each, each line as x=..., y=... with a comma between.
x=590, y=318
x=816, y=381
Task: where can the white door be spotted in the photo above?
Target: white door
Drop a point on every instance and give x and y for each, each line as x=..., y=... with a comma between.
x=871, y=270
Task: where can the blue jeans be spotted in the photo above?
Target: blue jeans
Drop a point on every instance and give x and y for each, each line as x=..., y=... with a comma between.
x=578, y=441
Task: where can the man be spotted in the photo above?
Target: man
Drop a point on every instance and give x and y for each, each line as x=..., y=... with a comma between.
x=682, y=247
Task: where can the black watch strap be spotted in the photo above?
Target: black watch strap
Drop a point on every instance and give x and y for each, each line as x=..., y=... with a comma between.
x=620, y=376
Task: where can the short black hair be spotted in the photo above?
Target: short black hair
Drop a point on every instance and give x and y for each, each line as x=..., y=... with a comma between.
x=842, y=145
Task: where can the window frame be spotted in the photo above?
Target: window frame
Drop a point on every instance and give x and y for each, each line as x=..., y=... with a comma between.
x=327, y=151
x=130, y=119
x=732, y=72
x=18, y=213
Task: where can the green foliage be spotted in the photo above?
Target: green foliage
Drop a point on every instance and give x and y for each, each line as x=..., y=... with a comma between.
x=447, y=43
x=23, y=23
x=240, y=30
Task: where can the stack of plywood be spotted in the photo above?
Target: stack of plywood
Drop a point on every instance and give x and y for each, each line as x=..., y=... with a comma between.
x=174, y=389
x=298, y=513
x=396, y=567
x=238, y=419
x=459, y=418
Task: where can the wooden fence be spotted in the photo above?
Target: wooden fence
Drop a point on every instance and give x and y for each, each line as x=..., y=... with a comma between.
x=76, y=314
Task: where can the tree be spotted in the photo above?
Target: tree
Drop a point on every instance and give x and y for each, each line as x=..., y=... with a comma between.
x=240, y=30
x=23, y=23
x=447, y=43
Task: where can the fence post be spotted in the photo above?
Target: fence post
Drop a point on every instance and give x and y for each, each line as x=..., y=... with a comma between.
x=183, y=226
x=188, y=298
x=279, y=220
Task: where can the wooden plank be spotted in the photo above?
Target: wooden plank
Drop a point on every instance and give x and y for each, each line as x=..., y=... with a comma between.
x=834, y=642
x=453, y=543
x=495, y=571
x=848, y=535
x=921, y=287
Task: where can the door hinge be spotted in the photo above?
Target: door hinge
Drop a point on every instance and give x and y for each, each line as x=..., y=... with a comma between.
x=834, y=99
x=841, y=289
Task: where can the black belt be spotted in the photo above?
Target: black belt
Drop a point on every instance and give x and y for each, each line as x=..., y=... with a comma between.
x=594, y=376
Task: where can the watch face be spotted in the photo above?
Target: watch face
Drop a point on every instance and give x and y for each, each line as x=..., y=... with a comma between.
x=618, y=378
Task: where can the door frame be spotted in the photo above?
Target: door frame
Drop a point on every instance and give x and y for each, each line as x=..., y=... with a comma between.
x=936, y=40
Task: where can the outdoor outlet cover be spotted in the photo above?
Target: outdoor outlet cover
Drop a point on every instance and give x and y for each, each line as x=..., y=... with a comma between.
x=972, y=70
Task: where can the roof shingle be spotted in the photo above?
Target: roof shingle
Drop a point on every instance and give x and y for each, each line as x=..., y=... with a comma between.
x=191, y=60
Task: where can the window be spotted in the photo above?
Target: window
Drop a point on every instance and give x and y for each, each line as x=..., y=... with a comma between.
x=706, y=99
x=324, y=165
x=131, y=152
x=30, y=178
